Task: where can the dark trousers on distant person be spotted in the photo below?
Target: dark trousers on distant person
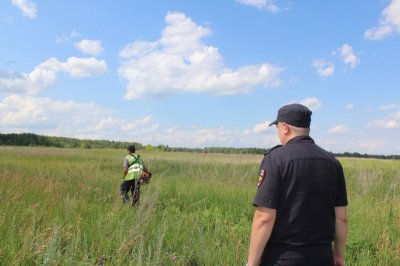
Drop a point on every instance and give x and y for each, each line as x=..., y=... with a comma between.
x=126, y=186
x=298, y=262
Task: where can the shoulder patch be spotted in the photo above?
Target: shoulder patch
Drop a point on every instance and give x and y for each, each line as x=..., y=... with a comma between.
x=261, y=178
x=271, y=149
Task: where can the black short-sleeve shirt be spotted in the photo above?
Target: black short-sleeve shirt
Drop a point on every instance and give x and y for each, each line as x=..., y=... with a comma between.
x=304, y=183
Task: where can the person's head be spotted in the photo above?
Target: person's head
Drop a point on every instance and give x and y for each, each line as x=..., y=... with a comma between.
x=292, y=120
x=131, y=148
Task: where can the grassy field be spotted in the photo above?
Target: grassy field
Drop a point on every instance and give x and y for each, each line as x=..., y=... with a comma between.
x=62, y=207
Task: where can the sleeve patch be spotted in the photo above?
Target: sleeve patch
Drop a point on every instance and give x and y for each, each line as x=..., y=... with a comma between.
x=261, y=178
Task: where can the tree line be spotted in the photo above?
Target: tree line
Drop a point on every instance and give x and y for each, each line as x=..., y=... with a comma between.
x=260, y=151
x=231, y=150
x=30, y=139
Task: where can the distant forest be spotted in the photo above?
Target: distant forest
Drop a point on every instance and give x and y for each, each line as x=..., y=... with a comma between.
x=30, y=139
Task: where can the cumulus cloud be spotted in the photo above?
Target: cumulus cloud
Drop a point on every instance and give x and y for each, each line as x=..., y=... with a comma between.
x=180, y=61
x=27, y=7
x=13, y=82
x=392, y=121
x=312, y=103
x=20, y=111
x=92, y=47
x=261, y=4
x=324, y=68
x=207, y=137
x=372, y=146
x=339, y=129
x=91, y=121
x=45, y=74
x=388, y=24
x=81, y=120
x=261, y=127
x=68, y=38
x=349, y=106
x=138, y=128
x=348, y=55
x=138, y=49
x=76, y=67
x=390, y=106
x=197, y=137
x=386, y=123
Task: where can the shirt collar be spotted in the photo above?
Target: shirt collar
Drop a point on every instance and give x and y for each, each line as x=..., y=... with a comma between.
x=303, y=138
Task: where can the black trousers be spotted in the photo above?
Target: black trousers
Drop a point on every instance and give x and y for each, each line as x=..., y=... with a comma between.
x=126, y=186
x=298, y=262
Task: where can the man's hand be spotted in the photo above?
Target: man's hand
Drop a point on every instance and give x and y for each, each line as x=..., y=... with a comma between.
x=339, y=261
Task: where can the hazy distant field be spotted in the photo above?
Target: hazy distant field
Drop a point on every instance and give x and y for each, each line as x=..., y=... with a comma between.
x=62, y=207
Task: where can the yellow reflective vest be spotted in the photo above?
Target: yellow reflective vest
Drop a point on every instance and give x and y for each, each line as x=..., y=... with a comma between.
x=135, y=166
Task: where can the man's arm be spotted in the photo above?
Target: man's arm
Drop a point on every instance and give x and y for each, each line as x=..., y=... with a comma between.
x=125, y=167
x=263, y=222
x=339, y=244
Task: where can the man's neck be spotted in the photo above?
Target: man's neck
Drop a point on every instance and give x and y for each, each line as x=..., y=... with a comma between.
x=292, y=136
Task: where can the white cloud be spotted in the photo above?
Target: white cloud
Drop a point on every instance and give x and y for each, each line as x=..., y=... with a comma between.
x=68, y=38
x=91, y=121
x=27, y=7
x=261, y=127
x=390, y=106
x=261, y=4
x=75, y=66
x=348, y=56
x=374, y=143
x=339, y=129
x=179, y=61
x=392, y=121
x=110, y=124
x=312, y=102
x=20, y=111
x=207, y=137
x=349, y=106
x=324, y=68
x=80, y=120
x=12, y=82
x=388, y=24
x=92, y=47
x=372, y=146
x=138, y=49
x=392, y=124
x=45, y=74
x=197, y=137
x=388, y=124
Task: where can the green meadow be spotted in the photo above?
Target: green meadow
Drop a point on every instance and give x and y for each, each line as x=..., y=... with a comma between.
x=62, y=207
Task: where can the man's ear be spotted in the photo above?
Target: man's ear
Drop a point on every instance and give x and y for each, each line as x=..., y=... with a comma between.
x=286, y=129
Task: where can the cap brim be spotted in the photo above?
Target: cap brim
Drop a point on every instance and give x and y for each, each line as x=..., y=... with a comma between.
x=273, y=122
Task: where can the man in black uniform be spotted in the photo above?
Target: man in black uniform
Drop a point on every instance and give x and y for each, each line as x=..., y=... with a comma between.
x=301, y=199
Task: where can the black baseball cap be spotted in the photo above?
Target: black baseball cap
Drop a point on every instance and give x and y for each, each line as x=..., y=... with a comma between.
x=294, y=114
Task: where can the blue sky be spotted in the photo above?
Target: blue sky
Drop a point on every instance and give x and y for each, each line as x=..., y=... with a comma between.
x=202, y=73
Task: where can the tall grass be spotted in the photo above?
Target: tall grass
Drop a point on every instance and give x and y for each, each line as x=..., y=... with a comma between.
x=62, y=207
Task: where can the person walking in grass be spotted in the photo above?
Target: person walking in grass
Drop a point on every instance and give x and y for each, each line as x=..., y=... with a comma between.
x=133, y=167
x=301, y=201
